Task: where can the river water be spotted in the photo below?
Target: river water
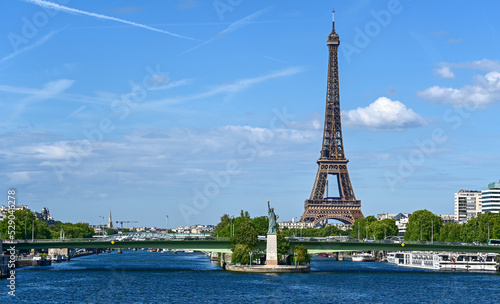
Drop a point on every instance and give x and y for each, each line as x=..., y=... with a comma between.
x=149, y=277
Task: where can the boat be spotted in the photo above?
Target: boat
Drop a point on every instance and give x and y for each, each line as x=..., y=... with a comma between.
x=56, y=258
x=4, y=266
x=40, y=261
x=448, y=261
x=363, y=257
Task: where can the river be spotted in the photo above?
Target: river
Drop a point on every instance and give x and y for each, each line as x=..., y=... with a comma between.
x=149, y=277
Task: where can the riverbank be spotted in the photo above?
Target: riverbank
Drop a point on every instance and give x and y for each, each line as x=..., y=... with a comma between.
x=269, y=268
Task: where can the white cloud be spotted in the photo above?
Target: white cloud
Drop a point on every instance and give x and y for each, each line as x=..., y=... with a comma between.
x=484, y=91
x=383, y=114
x=17, y=178
x=445, y=72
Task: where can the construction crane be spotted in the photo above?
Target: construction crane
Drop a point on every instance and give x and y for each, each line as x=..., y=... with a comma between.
x=121, y=222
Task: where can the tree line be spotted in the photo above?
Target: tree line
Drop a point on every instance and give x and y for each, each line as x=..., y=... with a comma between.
x=27, y=225
x=426, y=226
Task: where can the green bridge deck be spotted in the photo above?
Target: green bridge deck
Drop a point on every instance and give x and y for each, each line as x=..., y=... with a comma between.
x=223, y=245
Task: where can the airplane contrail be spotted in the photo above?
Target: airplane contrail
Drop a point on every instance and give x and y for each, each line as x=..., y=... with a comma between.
x=232, y=27
x=29, y=47
x=61, y=8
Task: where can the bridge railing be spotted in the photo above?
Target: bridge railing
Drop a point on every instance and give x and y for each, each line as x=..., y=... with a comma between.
x=74, y=240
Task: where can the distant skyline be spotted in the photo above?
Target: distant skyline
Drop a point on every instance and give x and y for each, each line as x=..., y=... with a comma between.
x=193, y=109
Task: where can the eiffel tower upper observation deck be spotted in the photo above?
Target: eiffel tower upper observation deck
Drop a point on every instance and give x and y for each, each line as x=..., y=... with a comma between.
x=332, y=161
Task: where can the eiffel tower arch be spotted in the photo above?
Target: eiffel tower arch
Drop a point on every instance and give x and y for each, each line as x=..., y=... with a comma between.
x=344, y=207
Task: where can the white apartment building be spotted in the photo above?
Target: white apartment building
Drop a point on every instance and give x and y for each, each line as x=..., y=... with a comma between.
x=490, y=199
x=401, y=220
x=467, y=205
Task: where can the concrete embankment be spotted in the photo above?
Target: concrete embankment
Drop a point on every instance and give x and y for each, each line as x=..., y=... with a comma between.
x=268, y=268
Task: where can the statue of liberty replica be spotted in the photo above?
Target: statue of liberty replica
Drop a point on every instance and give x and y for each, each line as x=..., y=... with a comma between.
x=272, y=247
x=272, y=219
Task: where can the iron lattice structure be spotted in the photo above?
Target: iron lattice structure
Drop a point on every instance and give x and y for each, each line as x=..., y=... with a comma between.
x=332, y=161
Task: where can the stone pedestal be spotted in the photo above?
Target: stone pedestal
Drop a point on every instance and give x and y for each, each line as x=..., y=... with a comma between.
x=272, y=249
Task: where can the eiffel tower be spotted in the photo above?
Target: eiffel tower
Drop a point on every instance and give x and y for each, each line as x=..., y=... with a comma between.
x=344, y=207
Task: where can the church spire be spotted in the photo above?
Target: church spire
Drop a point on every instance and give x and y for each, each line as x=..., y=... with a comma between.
x=110, y=221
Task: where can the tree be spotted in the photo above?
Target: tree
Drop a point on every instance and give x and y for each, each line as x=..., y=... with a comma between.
x=241, y=254
x=301, y=256
x=261, y=224
x=476, y=229
x=223, y=228
x=450, y=232
x=423, y=225
x=23, y=220
x=111, y=231
x=282, y=243
x=245, y=214
x=244, y=233
x=384, y=228
x=361, y=227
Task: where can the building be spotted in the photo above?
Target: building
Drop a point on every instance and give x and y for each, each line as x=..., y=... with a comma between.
x=42, y=216
x=401, y=220
x=295, y=225
x=490, y=199
x=5, y=209
x=45, y=216
x=447, y=218
x=467, y=205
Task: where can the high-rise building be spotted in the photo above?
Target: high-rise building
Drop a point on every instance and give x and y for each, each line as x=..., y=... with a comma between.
x=467, y=205
x=490, y=198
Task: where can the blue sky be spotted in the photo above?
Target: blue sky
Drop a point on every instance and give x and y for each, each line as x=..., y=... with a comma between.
x=193, y=109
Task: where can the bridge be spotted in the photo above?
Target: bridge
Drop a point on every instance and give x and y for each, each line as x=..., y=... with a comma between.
x=223, y=245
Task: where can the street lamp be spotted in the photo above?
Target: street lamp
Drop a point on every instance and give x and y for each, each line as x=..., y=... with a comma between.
x=294, y=224
x=432, y=231
x=420, y=230
x=250, y=253
x=166, y=227
x=295, y=255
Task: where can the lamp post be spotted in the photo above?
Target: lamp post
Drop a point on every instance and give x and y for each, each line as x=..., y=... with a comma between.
x=33, y=231
x=250, y=253
x=295, y=255
x=420, y=230
x=294, y=223
x=100, y=225
x=432, y=231
x=166, y=224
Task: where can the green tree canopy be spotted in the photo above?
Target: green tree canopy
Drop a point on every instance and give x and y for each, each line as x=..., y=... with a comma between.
x=476, y=229
x=282, y=243
x=244, y=233
x=23, y=220
x=423, y=225
x=450, y=232
x=301, y=256
x=384, y=228
x=241, y=254
x=361, y=227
